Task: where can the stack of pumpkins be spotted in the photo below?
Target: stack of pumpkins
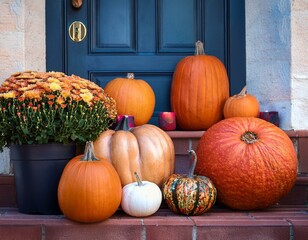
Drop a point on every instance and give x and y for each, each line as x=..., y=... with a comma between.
x=251, y=162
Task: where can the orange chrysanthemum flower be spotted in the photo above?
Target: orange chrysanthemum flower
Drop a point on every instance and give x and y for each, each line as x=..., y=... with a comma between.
x=40, y=107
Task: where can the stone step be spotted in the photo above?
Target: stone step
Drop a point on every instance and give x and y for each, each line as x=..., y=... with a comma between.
x=276, y=223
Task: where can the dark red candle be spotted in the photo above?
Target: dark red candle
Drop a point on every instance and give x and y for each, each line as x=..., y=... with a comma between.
x=270, y=116
x=167, y=121
x=130, y=119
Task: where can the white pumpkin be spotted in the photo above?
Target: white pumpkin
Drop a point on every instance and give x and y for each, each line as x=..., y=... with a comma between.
x=141, y=198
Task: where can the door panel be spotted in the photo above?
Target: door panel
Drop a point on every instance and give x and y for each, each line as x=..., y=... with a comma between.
x=113, y=26
x=177, y=25
x=147, y=37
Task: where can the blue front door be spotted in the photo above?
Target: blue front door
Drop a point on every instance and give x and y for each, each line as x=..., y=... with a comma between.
x=146, y=37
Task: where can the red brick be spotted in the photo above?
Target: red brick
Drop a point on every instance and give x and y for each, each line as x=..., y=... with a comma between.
x=300, y=228
x=303, y=155
x=172, y=227
x=278, y=214
x=113, y=228
x=297, y=196
x=24, y=232
x=242, y=229
x=222, y=214
x=7, y=191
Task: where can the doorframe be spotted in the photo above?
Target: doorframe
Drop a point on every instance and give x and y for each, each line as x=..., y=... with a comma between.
x=235, y=41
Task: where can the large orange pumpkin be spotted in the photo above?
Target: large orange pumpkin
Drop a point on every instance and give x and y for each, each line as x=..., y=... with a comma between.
x=133, y=97
x=241, y=105
x=199, y=89
x=252, y=162
x=146, y=149
x=89, y=189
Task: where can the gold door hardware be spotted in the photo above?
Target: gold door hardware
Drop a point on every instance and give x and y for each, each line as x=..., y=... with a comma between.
x=77, y=31
x=76, y=3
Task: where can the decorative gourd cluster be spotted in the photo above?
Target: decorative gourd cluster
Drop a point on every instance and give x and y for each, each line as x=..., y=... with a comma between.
x=249, y=163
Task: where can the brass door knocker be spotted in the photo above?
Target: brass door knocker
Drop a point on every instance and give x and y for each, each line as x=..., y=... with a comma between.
x=76, y=3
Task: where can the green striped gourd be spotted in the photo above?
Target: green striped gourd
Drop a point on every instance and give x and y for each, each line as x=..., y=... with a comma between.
x=189, y=194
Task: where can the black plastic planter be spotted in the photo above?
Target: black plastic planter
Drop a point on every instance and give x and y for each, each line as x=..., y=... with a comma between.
x=37, y=170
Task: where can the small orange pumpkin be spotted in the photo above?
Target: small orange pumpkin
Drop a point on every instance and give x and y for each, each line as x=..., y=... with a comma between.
x=133, y=97
x=241, y=105
x=199, y=89
x=89, y=189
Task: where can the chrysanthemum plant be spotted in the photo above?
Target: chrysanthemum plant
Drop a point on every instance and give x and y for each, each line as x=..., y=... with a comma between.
x=45, y=107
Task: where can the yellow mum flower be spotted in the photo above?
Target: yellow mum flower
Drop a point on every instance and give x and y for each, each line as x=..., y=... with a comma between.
x=53, y=80
x=32, y=94
x=84, y=90
x=87, y=97
x=7, y=95
x=55, y=86
x=65, y=93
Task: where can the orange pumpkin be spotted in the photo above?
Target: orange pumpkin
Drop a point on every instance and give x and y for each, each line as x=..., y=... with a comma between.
x=89, y=189
x=241, y=105
x=146, y=149
x=133, y=97
x=199, y=89
x=252, y=162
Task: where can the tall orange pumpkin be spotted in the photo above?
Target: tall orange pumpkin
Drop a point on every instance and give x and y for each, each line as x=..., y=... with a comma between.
x=145, y=149
x=133, y=97
x=89, y=189
x=200, y=87
x=252, y=162
x=241, y=105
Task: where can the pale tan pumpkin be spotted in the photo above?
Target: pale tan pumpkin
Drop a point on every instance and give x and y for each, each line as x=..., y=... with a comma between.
x=145, y=149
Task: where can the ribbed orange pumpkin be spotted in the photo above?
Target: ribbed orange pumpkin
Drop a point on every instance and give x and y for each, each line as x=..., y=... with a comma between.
x=89, y=189
x=133, y=97
x=252, y=162
x=145, y=149
x=200, y=87
x=241, y=105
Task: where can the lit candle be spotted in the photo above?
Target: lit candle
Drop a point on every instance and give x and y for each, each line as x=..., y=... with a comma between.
x=270, y=116
x=167, y=121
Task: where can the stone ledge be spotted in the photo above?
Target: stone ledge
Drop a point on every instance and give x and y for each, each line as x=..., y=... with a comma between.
x=278, y=223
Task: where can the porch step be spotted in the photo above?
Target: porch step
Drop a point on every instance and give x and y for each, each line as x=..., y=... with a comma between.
x=276, y=223
x=287, y=220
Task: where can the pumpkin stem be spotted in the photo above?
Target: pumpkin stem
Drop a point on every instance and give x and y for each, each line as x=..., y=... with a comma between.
x=123, y=124
x=243, y=92
x=140, y=183
x=199, y=49
x=192, y=169
x=89, y=152
x=130, y=75
x=249, y=137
